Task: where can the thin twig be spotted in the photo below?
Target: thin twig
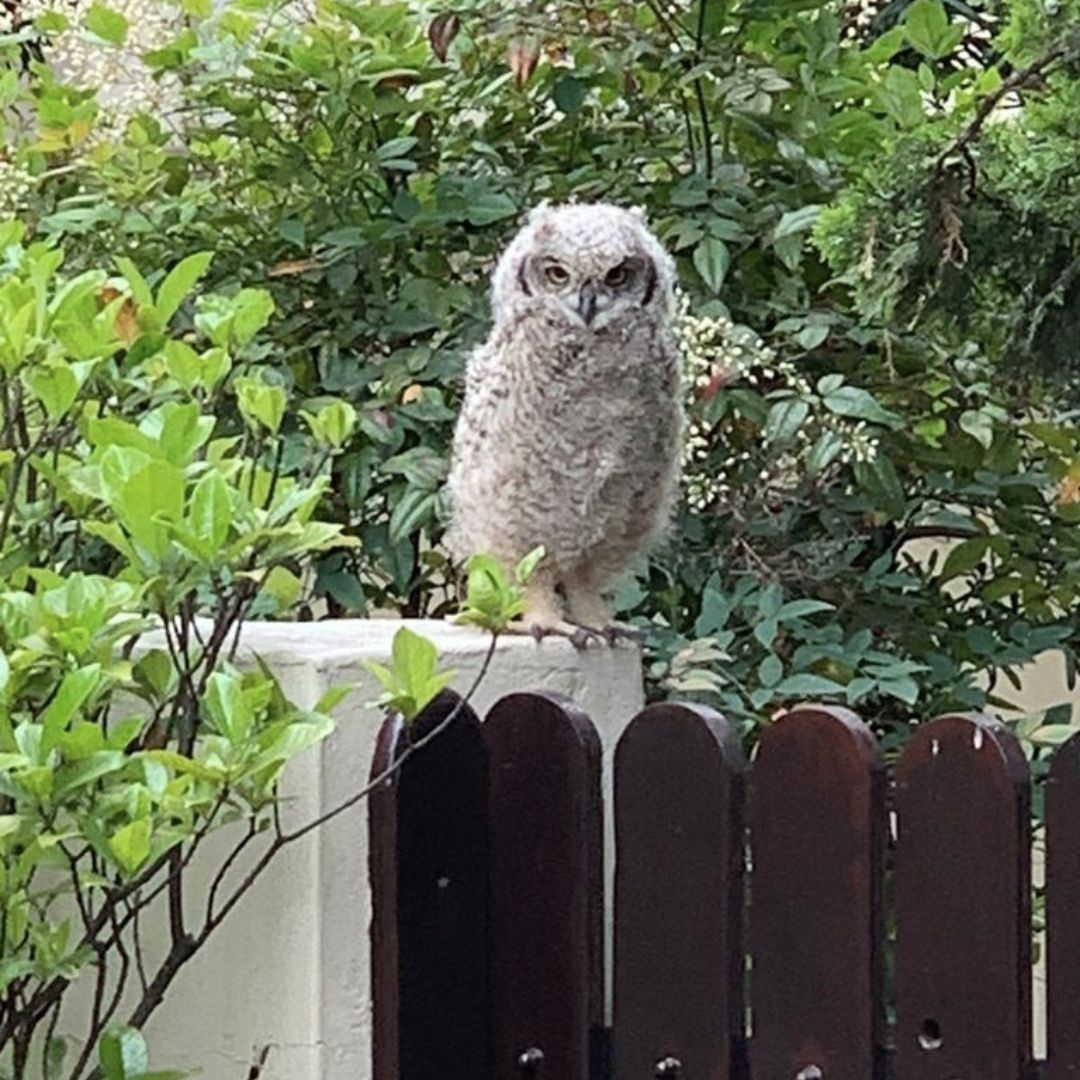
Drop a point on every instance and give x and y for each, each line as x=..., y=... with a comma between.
x=1016, y=81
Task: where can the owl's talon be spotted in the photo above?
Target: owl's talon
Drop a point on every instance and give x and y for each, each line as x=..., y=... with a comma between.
x=578, y=636
x=614, y=633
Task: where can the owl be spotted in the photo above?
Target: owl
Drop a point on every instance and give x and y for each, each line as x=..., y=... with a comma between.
x=570, y=431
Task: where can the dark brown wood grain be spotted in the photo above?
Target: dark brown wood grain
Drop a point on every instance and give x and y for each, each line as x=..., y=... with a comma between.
x=429, y=883
x=1063, y=913
x=547, y=888
x=817, y=816
x=678, y=896
x=963, y=958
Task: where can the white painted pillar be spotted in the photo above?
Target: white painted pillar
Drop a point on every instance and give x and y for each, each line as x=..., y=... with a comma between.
x=290, y=966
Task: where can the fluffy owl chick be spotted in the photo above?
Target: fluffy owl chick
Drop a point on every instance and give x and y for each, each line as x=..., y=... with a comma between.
x=569, y=434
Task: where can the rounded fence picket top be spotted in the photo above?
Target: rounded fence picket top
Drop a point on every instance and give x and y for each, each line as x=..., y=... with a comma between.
x=962, y=902
x=545, y=814
x=1062, y=911
x=816, y=918
x=678, y=896
x=428, y=869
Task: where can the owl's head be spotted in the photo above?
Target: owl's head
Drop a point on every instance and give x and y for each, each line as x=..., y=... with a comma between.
x=589, y=266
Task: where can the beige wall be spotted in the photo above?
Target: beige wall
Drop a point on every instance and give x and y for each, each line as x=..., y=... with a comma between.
x=289, y=968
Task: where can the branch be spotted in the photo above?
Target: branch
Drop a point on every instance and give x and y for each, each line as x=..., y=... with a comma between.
x=1016, y=81
x=933, y=532
x=412, y=748
x=183, y=950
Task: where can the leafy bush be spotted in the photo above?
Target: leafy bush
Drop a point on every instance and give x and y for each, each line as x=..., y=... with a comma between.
x=878, y=246
x=363, y=163
x=120, y=752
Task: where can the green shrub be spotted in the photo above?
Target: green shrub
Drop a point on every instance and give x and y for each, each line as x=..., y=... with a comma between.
x=364, y=164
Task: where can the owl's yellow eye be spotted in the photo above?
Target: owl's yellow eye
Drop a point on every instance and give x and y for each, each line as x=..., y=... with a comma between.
x=556, y=274
x=617, y=276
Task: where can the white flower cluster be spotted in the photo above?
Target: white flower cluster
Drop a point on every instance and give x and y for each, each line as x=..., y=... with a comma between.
x=715, y=350
x=715, y=353
x=15, y=185
x=125, y=85
x=859, y=15
x=718, y=353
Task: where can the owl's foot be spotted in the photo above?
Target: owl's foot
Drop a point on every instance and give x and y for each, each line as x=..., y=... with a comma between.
x=538, y=629
x=616, y=632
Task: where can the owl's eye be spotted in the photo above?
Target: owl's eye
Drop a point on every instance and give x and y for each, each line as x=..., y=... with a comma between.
x=556, y=274
x=617, y=276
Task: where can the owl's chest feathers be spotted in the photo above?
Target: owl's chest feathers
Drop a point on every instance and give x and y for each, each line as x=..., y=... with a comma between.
x=573, y=384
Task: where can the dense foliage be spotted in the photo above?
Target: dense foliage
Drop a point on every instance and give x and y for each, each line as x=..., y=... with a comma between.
x=875, y=217
x=841, y=188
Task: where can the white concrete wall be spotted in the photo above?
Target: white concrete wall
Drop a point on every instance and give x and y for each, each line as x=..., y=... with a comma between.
x=289, y=968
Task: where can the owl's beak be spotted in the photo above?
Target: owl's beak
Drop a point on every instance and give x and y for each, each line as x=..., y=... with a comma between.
x=586, y=302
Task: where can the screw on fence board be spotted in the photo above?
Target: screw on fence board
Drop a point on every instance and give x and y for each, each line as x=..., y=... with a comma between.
x=530, y=1060
x=930, y=1037
x=669, y=1068
x=679, y=833
x=811, y=1072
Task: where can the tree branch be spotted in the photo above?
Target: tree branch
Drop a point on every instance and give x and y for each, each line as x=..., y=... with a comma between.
x=1016, y=81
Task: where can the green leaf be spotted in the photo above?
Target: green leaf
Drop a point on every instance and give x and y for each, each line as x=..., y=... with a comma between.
x=334, y=423
x=904, y=689
x=491, y=601
x=107, y=24
x=928, y=29
x=857, y=403
x=827, y=447
x=130, y=846
x=900, y=96
x=396, y=148
x=73, y=691
x=809, y=685
x=155, y=489
x=261, y=402
x=490, y=208
x=711, y=260
x=770, y=670
x=71, y=777
x=799, y=609
x=211, y=510
x=415, y=658
x=55, y=385
x=412, y=682
x=413, y=510
x=569, y=94
x=979, y=426
x=797, y=221
x=784, y=420
x=765, y=631
x=179, y=282
x=527, y=566
x=122, y=1054
x=333, y=698
x=227, y=706
x=965, y=557
x=880, y=481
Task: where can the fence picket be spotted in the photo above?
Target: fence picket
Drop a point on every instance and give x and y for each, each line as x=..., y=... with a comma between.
x=429, y=882
x=817, y=817
x=1063, y=913
x=963, y=957
x=678, y=896
x=547, y=889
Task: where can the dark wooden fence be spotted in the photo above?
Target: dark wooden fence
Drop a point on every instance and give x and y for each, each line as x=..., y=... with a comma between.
x=804, y=918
